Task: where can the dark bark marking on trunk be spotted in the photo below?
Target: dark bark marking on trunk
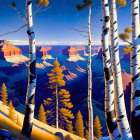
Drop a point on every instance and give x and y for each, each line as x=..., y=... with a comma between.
x=33, y=67
x=111, y=125
x=136, y=7
x=117, y=50
x=108, y=61
x=108, y=73
x=106, y=5
x=27, y=127
x=136, y=94
x=115, y=22
x=135, y=77
x=106, y=18
x=135, y=123
x=118, y=63
x=32, y=99
x=134, y=56
x=135, y=14
x=28, y=3
x=121, y=95
x=122, y=116
x=106, y=50
x=106, y=30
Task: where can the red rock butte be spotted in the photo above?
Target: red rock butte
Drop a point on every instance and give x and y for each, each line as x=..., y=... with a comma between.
x=69, y=50
x=42, y=51
x=8, y=49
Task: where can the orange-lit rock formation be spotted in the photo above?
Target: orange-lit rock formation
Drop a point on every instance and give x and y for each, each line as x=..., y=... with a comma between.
x=8, y=49
x=43, y=52
x=70, y=51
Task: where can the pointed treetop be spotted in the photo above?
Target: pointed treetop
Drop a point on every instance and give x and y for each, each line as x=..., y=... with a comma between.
x=56, y=63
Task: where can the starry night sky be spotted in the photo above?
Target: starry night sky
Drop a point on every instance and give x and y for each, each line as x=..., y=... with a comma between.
x=55, y=23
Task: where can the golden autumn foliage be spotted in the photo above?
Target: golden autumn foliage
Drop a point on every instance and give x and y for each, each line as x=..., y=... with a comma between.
x=45, y=3
x=70, y=127
x=119, y=2
x=62, y=95
x=97, y=128
x=87, y=134
x=126, y=35
x=42, y=114
x=128, y=30
x=56, y=76
x=18, y=121
x=127, y=49
x=12, y=113
x=39, y=1
x=4, y=95
x=79, y=125
x=123, y=3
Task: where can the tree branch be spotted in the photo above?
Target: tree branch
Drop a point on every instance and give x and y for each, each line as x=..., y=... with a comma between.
x=37, y=10
x=14, y=31
x=128, y=42
x=86, y=37
x=17, y=11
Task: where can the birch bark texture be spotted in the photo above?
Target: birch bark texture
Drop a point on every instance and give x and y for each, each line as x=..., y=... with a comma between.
x=135, y=85
x=90, y=108
x=30, y=96
x=109, y=83
x=121, y=115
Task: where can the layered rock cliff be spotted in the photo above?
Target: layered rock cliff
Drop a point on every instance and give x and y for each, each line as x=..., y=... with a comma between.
x=43, y=52
x=68, y=75
x=11, y=53
x=72, y=53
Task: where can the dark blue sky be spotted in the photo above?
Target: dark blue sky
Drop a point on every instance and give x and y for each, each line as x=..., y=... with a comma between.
x=53, y=25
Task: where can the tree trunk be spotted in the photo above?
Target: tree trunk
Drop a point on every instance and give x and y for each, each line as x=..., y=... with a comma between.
x=109, y=83
x=90, y=109
x=56, y=108
x=119, y=94
x=30, y=96
x=135, y=90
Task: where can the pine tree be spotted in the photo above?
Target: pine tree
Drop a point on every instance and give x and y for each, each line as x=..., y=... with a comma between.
x=97, y=128
x=4, y=95
x=12, y=113
x=56, y=81
x=18, y=121
x=64, y=105
x=42, y=114
x=70, y=128
x=79, y=125
x=87, y=134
